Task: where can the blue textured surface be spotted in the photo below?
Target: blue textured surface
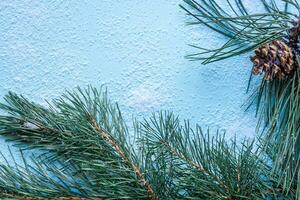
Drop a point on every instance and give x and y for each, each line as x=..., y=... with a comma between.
x=136, y=48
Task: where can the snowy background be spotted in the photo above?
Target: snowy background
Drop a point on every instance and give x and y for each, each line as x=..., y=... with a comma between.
x=135, y=47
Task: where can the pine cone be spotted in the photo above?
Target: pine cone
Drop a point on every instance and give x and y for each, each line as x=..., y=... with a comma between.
x=275, y=59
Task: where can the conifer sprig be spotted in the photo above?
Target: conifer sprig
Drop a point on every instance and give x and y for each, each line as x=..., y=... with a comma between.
x=86, y=131
x=245, y=31
x=277, y=101
x=88, y=152
x=207, y=166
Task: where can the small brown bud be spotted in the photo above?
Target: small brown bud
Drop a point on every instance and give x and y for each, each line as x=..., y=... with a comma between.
x=264, y=51
x=273, y=47
x=273, y=54
x=256, y=71
x=266, y=66
x=282, y=60
x=276, y=69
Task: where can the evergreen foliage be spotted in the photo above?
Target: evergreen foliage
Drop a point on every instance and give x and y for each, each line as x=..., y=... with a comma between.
x=277, y=101
x=245, y=31
x=88, y=152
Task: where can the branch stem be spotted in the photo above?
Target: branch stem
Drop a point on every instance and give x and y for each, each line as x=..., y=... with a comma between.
x=108, y=138
x=194, y=164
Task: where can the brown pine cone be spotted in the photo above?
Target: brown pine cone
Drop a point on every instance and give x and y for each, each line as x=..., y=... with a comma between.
x=275, y=59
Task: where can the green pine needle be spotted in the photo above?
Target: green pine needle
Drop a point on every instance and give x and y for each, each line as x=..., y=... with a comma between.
x=88, y=152
x=245, y=31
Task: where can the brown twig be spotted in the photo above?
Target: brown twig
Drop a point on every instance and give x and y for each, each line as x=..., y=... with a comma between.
x=108, y=138
x=194, y=164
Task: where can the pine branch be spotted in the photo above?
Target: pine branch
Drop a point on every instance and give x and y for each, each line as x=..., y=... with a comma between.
x=277, y=101
x=193, y=164
x=245, y=31
x=65, y=129
x=121, y=152
x=207, y=167
x=38, y=180
x=277, y=105
x=87, y=154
